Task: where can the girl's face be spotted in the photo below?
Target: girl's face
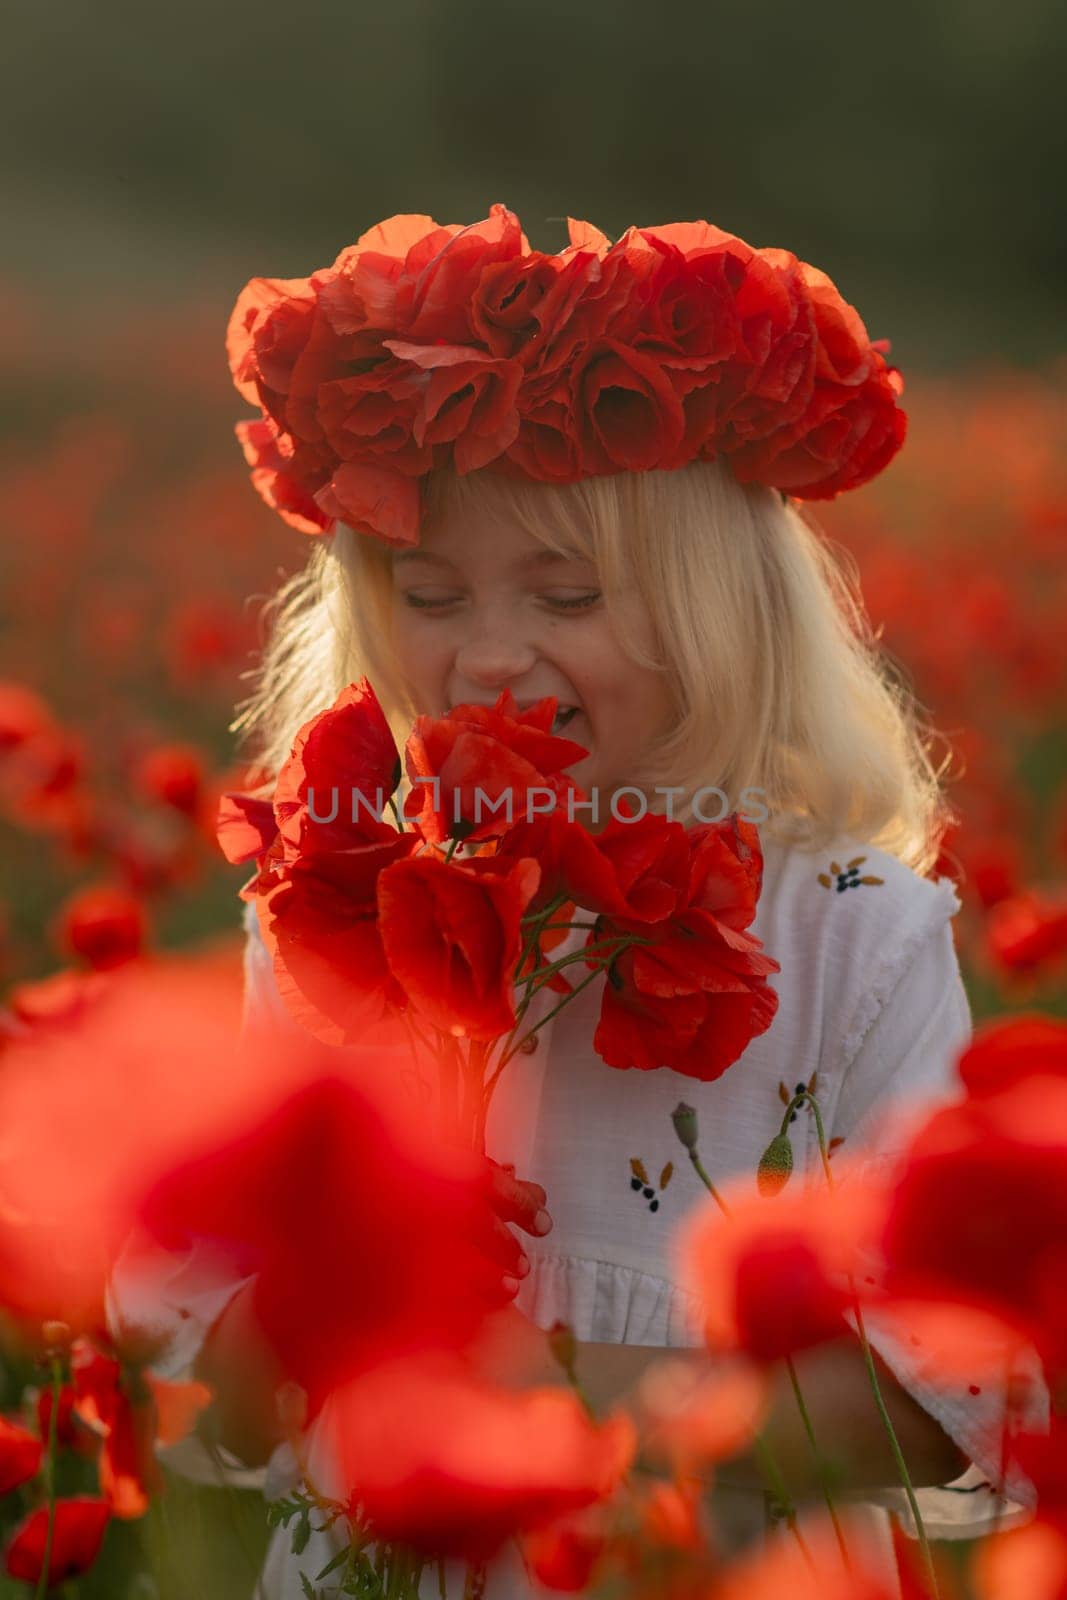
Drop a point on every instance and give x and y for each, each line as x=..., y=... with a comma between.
x=481, y=606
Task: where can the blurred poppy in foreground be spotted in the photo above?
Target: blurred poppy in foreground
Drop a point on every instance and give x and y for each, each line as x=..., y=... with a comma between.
x=773, y=1275
x=441, y=1460
x=365, y=1238
x=979, y=1213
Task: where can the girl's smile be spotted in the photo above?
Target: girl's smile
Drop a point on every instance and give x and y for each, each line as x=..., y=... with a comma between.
x=482, y=606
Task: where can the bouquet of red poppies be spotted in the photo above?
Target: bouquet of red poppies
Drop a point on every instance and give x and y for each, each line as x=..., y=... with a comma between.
x=439, y=914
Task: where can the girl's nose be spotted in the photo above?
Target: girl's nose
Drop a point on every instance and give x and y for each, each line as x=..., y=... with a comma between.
x=493, y=656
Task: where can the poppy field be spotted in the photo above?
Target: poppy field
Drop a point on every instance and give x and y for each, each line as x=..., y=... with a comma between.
x=134, y=568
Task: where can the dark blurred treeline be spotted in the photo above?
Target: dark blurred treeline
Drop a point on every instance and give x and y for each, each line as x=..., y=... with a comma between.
x=916, y=151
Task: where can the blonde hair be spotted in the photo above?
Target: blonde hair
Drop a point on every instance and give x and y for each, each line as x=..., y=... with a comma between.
x=778, y=683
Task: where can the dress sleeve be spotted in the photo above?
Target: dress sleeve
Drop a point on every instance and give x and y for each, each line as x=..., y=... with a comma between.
x=904, y=1065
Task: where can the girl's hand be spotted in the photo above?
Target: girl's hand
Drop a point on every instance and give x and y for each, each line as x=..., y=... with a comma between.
x=515, y=1201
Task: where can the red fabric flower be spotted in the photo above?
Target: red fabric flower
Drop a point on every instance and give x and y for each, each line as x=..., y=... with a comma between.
x=80, y=1526
x=443, y=1461
x=20, y=1456
x=452, y=937
x=423, y=344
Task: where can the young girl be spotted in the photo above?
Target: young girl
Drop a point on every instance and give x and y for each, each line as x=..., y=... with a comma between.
x=711, y=655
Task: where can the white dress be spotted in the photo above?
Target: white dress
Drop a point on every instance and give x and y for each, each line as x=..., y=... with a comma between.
x=870, y=997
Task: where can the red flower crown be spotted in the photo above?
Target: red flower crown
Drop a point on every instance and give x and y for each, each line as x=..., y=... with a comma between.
x=424, y=344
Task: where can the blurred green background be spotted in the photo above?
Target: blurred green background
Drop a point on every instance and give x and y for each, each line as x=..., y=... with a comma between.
x=915, y=151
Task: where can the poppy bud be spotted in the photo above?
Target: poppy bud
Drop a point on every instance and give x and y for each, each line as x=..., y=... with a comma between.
x=776, y=1164
x=57, y=1336
x=685, y=1124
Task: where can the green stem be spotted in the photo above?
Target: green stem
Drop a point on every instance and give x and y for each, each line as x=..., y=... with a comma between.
x=767, y=1460
x=511, y=1049
x=820, y=1465
x=774, y=1477
x=709, y=1186
x=50, y=1478
x=876, y=1388
x=894, y=1444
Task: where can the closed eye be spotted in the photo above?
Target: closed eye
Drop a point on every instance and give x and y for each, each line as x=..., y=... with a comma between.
x=433, y=604
x=573, y=603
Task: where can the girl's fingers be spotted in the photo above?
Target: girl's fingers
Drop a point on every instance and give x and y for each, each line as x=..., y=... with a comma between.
x=517, y=1201
x=502, y=1248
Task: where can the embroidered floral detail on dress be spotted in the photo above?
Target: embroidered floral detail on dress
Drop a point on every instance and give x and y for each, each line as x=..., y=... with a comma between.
x=846, y=877
x=786, y=1096
x=641, y=1184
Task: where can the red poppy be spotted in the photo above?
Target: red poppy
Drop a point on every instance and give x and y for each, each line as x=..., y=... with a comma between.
x=487, y=761
x=23, y=716
x=979, y=1212
x=20, y=1456
x=1029, y=1563
x=692, y=992
x=104, y=924
x=452, y=936
x=365, y=1240
x=80, y=1525
x=445, y=1462
x=1028, y=933
x=564, y=1557
x=1012, y=1048
x=772, y=1277
x=816, y=1572
x=105, y=1102
x=343, y=768
x=319, y=917
x=245, y=826
x=571, y=860
x=172, y=775
x=131, y=1410
x=68, y=1432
